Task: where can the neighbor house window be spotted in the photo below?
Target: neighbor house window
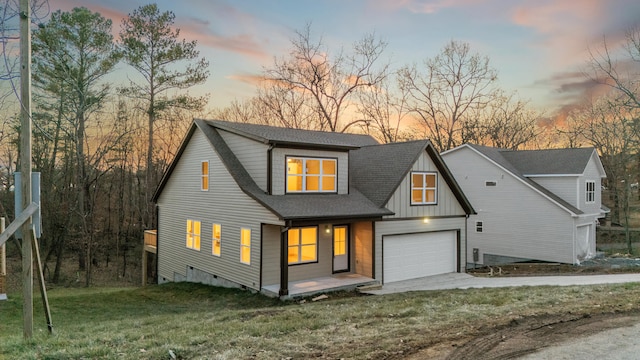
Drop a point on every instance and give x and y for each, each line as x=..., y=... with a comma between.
x=245, y=246
x=424, y=188
x=193, y=234
x=303, y=245
x=479, y=226
x=204, y=179
x=216, y=231
x=311, y=174
x=591, y=192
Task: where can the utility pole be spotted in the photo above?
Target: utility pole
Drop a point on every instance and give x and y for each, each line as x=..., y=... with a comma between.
x=25, y=165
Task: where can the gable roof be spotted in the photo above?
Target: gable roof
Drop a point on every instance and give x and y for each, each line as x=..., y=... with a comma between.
x=549, y=162
x=515, y=164
x=375, y=170
x=378, y=170
x=286, y=207
x=294, y=137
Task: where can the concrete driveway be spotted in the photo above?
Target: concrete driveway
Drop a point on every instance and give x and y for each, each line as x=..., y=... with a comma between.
x=466, y=281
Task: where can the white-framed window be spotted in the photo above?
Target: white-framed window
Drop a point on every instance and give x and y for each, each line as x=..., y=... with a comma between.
x=479, y=226
x=245, y=246
x=204, y=175
x=306, y=175
x=303, y=245
x=590, y=195
x=193, y=234
x=424, y=188
x=216, y=232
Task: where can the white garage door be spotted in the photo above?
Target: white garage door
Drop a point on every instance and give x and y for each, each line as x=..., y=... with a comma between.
x=417, y=255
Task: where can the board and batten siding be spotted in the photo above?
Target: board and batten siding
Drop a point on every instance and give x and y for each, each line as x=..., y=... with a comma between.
x=223, y=204
x=279, y=169
x=518, y=221
x=252, y=154
x=397, y=227
x=400, y=201
x=271, y=255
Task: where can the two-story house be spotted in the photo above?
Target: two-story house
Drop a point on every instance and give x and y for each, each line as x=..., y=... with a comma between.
x=290, y=212
x=531, y=204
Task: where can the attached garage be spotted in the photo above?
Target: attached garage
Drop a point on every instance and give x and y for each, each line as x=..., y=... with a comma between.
x=411, y=256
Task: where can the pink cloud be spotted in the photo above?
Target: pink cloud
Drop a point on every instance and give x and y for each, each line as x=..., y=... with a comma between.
x=243, y=44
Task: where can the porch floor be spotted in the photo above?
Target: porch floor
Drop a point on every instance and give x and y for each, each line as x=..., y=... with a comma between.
x=308, y=287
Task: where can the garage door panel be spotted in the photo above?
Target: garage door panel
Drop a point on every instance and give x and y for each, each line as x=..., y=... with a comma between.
x=417, y=255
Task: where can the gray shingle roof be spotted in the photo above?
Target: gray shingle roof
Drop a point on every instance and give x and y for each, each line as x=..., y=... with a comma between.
x=279, y=135
x=519, y=165
x=378, y=170
x=550, y=162
x=375, y=170
x=292, y=206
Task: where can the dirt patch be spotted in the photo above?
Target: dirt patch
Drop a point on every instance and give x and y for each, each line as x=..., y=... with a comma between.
x=524, y=336
x=603, y=265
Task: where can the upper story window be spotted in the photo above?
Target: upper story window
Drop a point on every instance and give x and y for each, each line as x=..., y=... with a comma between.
x=311, y=174
x=424, y=188
x=204, y=178
x=479, y=226
x=590, y=192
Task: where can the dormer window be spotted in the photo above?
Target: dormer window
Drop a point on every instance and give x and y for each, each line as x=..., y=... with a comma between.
x=311, y=175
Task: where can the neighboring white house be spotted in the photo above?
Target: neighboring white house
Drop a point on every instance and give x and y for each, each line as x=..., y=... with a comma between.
x=291, y=212
x=531, y=204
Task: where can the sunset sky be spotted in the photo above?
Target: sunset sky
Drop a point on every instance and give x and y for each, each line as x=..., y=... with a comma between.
x=539, y=47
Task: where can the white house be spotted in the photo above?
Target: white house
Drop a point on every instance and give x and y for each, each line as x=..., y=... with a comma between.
x=531, y=204
x=291, y=212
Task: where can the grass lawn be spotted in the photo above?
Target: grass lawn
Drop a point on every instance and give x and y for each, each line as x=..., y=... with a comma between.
x=200, y=322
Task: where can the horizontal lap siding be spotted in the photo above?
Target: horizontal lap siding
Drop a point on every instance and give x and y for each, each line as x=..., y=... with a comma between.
x=252, y=155
x=224, y=204
x=400, y=201
x=517, y=220
x=591, y=173
x=279, y=167
x=566, y=187
x=397, y=227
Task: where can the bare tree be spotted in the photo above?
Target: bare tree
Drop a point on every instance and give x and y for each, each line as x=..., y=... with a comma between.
x=619, y=69
x=384, y=109
x=326, y=84
x=508, y=123
x=447, y=90
x=614, y=131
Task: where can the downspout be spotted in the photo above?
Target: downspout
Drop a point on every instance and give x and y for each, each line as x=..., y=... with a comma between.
x=466, y=242
x=284, y=263
x=269, y=165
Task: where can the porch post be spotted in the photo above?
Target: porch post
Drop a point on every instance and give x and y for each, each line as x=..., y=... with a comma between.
x=284, y=262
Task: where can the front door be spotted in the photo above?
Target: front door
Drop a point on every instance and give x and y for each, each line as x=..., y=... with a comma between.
x=340, y=248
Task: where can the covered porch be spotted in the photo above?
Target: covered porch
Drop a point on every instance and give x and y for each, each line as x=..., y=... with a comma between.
x=310, y=287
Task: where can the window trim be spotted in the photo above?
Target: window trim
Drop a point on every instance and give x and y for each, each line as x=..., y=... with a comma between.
x=424, y=188
x=194, y=236
x=244, y=246
x=304, y=176
x=299, y=246
x=204, y=178
x=214, y=239
x=479, y=226
x=590, y=195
